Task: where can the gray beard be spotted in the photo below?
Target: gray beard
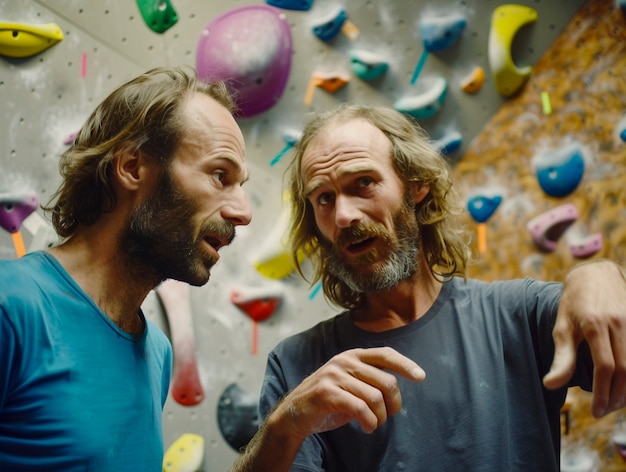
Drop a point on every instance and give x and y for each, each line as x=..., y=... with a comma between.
x=402, y=264
x=402, y=261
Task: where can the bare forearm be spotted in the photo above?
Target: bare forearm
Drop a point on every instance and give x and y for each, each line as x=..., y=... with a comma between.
x=272, y=449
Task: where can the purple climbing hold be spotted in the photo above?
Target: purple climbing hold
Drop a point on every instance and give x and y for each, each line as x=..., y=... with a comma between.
x=250, y=49
x=14, y=210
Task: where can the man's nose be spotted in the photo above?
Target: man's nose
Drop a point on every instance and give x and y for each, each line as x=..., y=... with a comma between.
x=346, y=212
x=238, y=210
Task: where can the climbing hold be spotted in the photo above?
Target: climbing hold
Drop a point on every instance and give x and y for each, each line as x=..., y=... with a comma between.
x=441, y=32
x=14, y=209
x=474, y=81
x=586, y=246
x=237, y=416
x=259, y=304
x=547, y=228
x=25, y=40
x=42, y=233
x=438, y=33
x=159, y=15
x=545, y=103
x=330, y=25
x=505, y=23
x=273, y=259
x=449, y=142
x=291, y=4
x=69, y=139
x=250, y=48
x=425, y=104
x=291, y=138
x=186, y=387
x=367, y=65
x=186, y=454
x=481, y=207
x=560, y=171
x=330, y=82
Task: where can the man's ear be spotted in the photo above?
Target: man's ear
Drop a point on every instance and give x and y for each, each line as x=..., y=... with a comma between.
x=420, y=191
x=129, y=168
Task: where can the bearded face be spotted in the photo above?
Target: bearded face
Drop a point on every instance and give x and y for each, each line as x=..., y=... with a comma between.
x=388, y=258
x=162, y=237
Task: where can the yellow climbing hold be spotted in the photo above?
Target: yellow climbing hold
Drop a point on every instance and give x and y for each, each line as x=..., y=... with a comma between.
x=25, y=40
x=505, y=23
x=273, y=258
x=186, y=454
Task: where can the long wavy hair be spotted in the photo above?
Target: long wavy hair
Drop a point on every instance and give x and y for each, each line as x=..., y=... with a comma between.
x=443, y=241
x=142, y=115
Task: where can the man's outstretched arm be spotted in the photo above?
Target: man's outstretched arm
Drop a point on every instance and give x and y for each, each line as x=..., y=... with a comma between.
x=593, y=309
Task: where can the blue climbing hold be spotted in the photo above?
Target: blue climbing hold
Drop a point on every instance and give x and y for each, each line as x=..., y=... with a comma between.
x=560, y=171
x=482, y=207
x=441, y=32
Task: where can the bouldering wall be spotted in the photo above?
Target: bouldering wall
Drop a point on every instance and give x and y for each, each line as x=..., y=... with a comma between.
x=572, y=106
x=242, y=313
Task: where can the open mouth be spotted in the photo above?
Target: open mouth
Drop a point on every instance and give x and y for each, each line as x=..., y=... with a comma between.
x=360, y=246
x=214, y=242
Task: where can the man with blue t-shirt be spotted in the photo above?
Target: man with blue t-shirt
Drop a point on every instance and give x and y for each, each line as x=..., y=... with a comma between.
x=151, y=191
x=425, y=369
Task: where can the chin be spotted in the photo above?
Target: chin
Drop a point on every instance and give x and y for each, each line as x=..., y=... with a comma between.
x=197, y=276
x=199, y=279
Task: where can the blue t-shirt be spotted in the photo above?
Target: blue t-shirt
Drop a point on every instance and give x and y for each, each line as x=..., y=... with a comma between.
x=482, y=407
x=76, y=392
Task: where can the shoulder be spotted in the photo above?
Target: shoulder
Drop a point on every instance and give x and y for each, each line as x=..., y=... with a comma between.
x=521, y=289
x=20, y=276
x=26, y=283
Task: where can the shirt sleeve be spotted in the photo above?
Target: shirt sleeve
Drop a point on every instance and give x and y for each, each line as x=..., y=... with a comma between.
x=309, y=457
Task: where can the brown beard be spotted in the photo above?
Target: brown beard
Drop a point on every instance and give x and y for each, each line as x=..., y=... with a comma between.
x=159, y=236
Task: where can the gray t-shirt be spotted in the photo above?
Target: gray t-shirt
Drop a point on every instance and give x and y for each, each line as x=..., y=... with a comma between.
x=482, y=407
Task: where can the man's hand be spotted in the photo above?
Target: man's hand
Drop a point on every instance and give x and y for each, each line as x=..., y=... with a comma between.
x=355, y=384
x=593, y=308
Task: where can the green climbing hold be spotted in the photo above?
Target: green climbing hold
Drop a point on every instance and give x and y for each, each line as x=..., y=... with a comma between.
x=159, y=15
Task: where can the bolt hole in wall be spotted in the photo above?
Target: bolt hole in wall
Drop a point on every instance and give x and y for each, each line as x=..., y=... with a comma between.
x=46, y=97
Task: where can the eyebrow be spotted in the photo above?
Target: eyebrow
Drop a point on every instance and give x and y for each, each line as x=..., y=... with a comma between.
x=238, y=166
x=356, y=169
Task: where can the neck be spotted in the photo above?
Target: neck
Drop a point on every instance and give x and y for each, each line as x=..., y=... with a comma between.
x=100, y=270
x=406, y=302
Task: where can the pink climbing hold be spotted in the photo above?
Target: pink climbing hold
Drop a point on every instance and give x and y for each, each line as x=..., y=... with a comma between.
x=250, y=48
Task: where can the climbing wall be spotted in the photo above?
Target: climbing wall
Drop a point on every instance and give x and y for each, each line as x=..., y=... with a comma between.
x=572, y=109
x=250, y=302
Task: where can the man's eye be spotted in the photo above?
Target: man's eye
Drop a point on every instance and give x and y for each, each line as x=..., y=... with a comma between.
x=325, y=199
x=220, y=176
x=365, y=182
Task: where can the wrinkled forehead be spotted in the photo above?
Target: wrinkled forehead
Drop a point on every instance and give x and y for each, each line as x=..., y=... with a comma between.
x=344, y=147
x=354, y=136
